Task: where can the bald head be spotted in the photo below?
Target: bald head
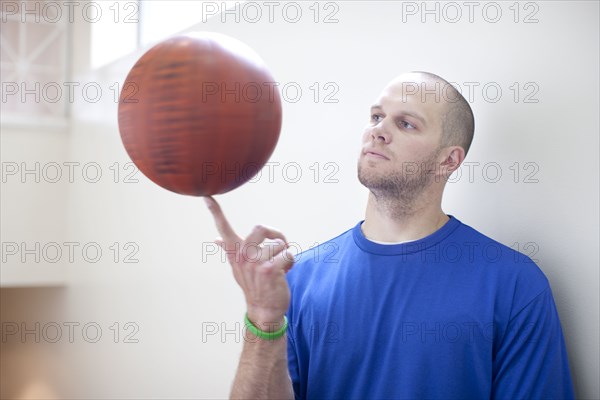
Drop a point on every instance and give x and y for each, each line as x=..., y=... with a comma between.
x=458, y=123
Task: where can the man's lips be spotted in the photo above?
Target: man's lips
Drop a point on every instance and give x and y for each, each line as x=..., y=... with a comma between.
x=375, y=154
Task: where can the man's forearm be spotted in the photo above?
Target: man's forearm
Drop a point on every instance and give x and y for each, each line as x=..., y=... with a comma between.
x=263, y=370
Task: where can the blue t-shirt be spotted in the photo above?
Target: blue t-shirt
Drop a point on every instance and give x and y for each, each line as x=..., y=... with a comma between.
x=454, y=315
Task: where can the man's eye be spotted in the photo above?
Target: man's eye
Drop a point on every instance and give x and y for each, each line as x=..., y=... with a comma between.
x=406, y=125
x=375, y=117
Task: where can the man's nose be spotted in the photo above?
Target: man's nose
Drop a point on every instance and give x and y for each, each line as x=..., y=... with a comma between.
x=380, y=133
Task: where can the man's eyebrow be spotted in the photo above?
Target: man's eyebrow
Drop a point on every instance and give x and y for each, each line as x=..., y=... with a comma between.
x=417, y=116
x=410, y=114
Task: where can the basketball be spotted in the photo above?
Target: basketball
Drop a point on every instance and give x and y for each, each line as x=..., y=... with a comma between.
x=199, y=114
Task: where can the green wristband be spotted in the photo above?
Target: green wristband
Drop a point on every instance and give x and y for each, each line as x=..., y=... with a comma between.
x=266, y=335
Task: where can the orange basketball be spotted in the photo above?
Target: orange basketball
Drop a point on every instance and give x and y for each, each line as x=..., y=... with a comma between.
x=200, y=114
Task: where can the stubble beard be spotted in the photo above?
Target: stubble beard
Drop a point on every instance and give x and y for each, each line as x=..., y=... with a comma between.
x=400, y=189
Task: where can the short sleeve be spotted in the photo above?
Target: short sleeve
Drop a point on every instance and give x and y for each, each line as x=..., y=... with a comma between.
x=531, y=360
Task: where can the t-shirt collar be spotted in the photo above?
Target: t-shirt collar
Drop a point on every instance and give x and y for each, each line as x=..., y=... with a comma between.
x=404, y=248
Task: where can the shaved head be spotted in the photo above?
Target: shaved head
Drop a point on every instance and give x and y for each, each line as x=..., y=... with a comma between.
x=419, y=132
x=458, y=123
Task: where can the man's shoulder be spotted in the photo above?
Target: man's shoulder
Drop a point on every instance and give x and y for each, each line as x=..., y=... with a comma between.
x=492, y=249
x=321, y=251
x=509, y=264
x=308, y=263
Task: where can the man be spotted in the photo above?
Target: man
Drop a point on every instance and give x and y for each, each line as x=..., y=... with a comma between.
x=409, y=304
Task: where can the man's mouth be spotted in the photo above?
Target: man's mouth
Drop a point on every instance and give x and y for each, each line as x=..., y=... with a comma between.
x=375, y=154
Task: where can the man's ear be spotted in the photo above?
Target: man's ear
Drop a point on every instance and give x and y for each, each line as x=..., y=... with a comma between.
x=453, y=156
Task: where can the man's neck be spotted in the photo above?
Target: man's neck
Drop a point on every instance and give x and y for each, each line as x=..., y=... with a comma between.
x=389, y=221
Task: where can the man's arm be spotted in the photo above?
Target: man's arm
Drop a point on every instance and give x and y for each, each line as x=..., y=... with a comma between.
x=531, y=361
x=263, y=371
x=259, y=264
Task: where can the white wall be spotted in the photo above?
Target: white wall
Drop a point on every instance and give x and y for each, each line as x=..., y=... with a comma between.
x=176, y=289
x=33, y=203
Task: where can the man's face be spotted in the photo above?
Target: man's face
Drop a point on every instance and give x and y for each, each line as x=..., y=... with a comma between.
x=401, y=141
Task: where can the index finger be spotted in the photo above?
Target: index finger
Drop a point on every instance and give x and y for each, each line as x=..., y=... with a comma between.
x=227, y=233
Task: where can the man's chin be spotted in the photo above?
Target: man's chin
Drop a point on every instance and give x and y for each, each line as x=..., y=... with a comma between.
x=370, y=180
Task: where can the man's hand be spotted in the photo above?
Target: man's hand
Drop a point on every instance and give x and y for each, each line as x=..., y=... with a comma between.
x=259, y=265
